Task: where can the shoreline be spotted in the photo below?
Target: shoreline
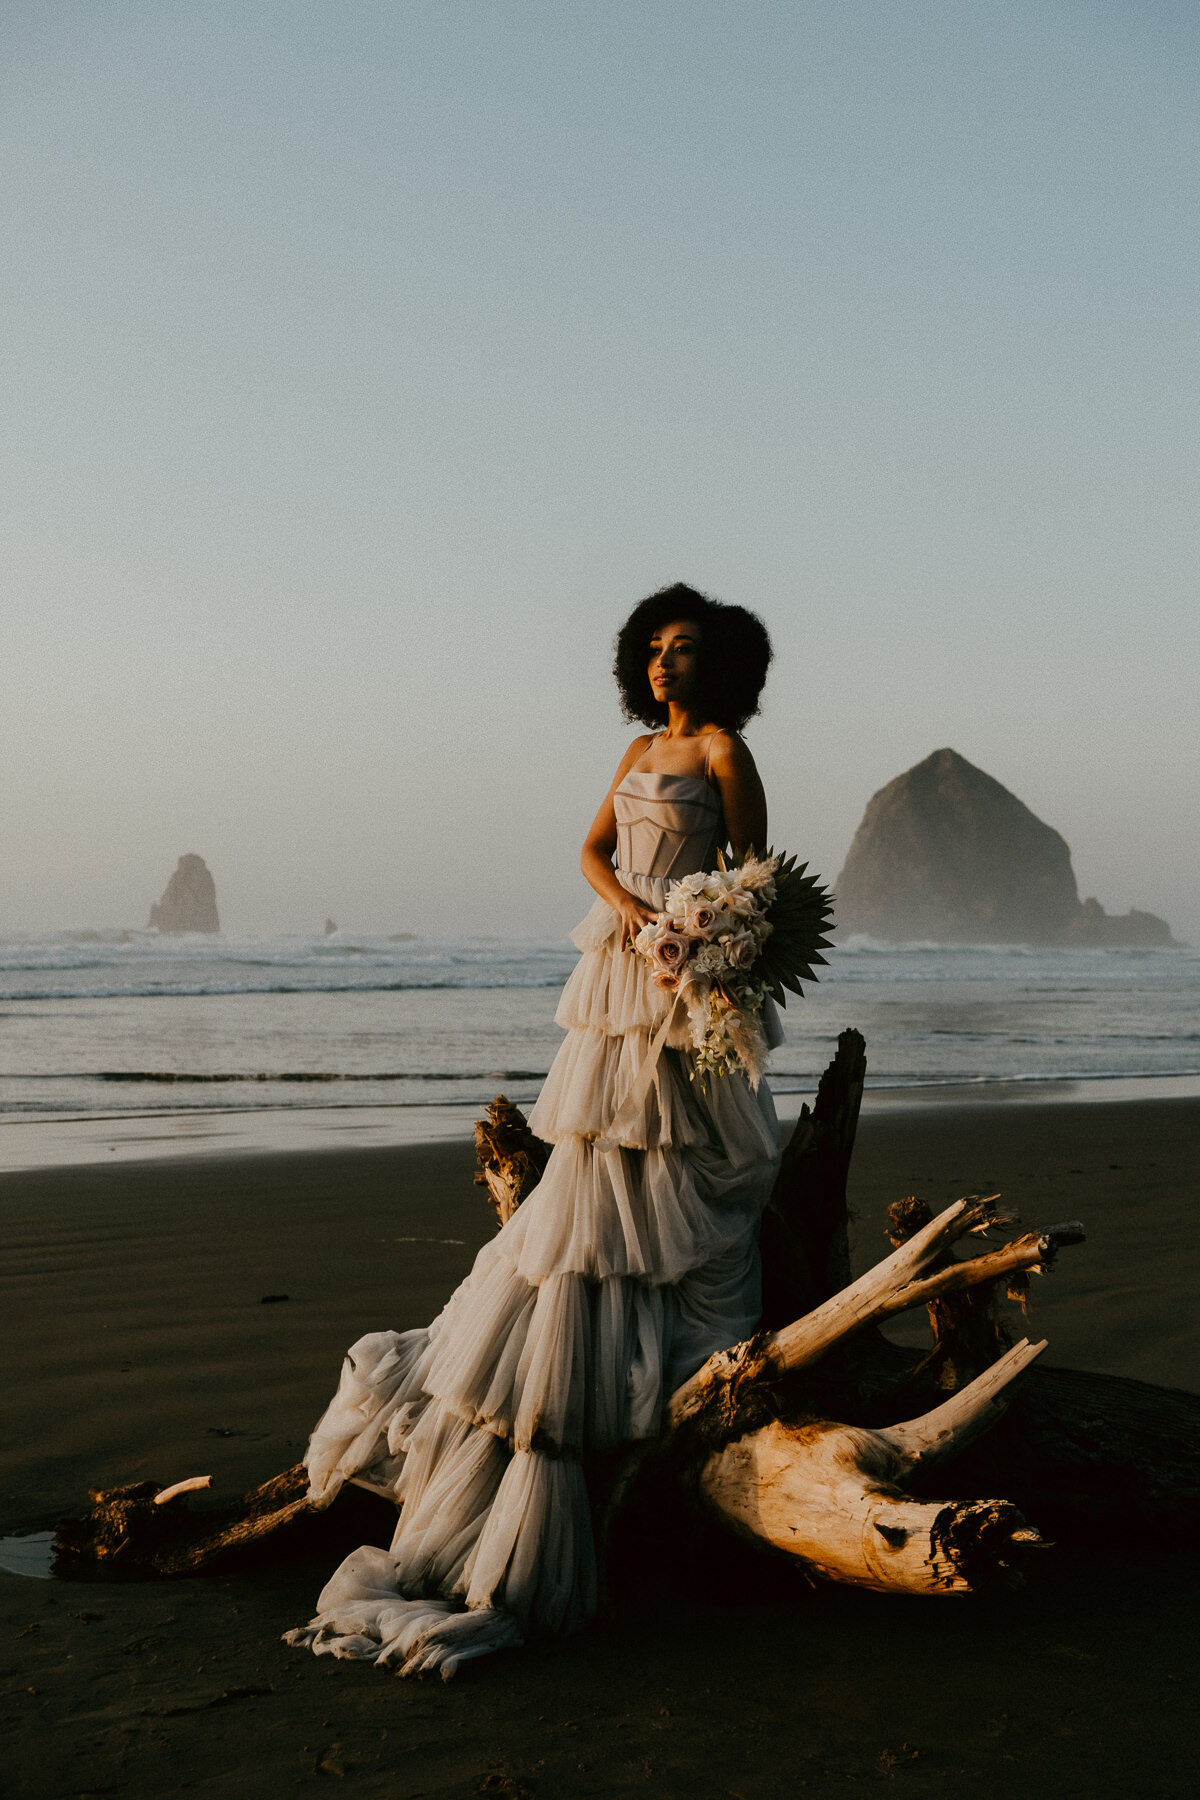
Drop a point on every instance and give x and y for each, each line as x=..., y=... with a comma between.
x=72, y=1140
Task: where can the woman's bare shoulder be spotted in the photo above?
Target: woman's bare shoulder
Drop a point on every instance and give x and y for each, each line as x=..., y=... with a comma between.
x=729, y=753
x=634, y=754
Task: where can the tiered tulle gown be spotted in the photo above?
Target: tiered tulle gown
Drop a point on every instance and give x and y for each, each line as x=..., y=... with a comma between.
x=619, y=1275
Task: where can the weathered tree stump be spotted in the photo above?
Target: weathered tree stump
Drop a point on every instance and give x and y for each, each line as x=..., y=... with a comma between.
x=805, y=1237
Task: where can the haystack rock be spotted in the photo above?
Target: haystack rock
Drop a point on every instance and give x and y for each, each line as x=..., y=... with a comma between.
x=945, y=853
x=189, y=902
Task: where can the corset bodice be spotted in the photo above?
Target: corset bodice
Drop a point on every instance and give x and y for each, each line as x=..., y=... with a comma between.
x=667, y=825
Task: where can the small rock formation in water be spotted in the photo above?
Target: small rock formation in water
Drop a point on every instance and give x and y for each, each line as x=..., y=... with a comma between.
x=330, y=927
x=945, y=853
x=1134, y=930
x=189, y=901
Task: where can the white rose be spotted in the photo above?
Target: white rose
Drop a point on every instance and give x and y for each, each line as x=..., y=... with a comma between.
x=710, y=960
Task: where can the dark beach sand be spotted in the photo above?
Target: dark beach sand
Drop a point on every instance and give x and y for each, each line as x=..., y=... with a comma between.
x=137, y=1345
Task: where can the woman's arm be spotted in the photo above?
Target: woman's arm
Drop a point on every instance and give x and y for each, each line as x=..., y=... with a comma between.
x=742, y=798
x=599, y=845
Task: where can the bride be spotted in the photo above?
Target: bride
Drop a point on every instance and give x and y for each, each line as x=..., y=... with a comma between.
x=632, y=1261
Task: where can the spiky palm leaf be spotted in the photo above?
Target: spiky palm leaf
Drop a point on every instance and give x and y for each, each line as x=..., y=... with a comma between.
x=800, y=915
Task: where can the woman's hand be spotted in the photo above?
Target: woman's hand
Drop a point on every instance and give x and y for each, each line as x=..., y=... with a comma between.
x=633, y=914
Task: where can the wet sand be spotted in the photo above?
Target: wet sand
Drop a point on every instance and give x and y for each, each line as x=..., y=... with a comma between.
x=138, y=1344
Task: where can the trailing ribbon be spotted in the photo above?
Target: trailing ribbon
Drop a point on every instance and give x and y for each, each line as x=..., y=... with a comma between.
x=631, y=1107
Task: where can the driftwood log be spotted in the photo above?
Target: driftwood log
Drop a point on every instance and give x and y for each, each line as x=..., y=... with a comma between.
x=147, y=1529
x=807, y=1439
x=511, y=1159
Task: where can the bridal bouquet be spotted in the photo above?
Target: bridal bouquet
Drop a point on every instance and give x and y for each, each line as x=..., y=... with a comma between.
x=726, y=940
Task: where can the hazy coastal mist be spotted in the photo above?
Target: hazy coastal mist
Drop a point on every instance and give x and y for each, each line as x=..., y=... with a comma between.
x=364, y=365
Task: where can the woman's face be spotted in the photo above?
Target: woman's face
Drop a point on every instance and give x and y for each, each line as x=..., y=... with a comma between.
x=675, y=662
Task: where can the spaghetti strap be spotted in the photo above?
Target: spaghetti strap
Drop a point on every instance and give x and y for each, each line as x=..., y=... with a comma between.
x=708, y=755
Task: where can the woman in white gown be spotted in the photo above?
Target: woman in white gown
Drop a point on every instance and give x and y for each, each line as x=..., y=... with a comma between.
x=632, y=1261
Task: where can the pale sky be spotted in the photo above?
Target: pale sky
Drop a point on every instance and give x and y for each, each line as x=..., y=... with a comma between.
x=364, y=363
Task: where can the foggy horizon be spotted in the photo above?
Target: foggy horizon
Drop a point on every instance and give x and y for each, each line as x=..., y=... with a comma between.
x=366, y=367
x=288, y=924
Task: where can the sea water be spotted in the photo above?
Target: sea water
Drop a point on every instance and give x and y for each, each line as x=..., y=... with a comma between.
x=104, y=1025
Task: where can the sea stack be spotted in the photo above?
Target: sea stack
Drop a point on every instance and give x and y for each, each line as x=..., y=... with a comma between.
x=946, y=853
x=189, y=901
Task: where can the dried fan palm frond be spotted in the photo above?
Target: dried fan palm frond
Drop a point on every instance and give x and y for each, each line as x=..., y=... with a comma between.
x=800, y=916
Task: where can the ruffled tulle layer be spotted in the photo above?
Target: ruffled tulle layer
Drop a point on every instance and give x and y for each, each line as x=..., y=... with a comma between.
x=623, y=1271
x=489, y=1547
x=655, y=1214
x=589, y=1080
x=612, y=989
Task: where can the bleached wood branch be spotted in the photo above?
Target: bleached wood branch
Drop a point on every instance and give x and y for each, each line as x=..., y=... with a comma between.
x=190, y=1486
x=949, y=1428
x=831, y=1495
x=910, y=1276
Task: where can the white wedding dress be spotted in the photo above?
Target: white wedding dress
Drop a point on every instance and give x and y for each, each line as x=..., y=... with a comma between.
x=619, y=1275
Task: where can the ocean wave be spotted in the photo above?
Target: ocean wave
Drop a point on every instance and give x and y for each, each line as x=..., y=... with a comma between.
x=1026, y=1078
x=202, y=1025
x=861, y=944
x=194, y=990
x=68, y=950
x=182, y=1076
x=62, y=967
x=472, y=1092
x=777, y=1077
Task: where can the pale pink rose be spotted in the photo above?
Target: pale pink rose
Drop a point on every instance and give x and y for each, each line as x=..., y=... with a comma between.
x=741, y=950
x=700, y=920
x=669, y=952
